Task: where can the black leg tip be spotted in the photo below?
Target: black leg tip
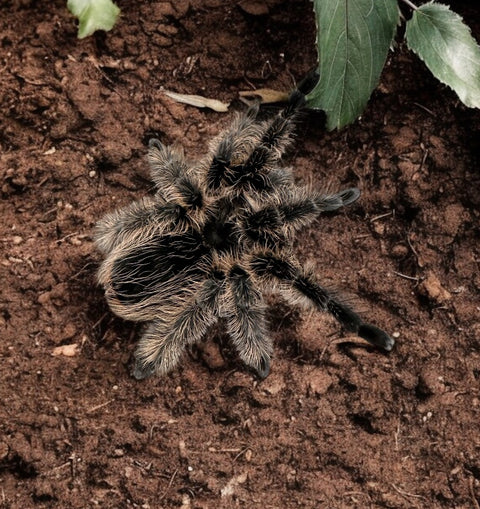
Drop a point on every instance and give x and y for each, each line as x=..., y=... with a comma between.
x=376, y=336
x=155, y=143
x=349, y=196
x=296, y=101
x=141, y=371
x=308, y=82
x=263, y=368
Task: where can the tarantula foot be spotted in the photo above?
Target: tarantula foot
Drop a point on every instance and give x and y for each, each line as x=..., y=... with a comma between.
x=307, y=84
x=155, y=142
x=262, y=368
x=141, y=371
x=296, y=101
x=349, y=195
x=376, y=336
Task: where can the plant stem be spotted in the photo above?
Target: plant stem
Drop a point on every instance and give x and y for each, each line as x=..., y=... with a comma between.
x=410, y=4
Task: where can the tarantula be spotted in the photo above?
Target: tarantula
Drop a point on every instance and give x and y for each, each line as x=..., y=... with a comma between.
x=212, y=238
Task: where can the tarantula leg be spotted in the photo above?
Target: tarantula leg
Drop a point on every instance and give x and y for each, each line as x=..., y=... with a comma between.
x=271, y=267
x=264, y=227
x=269, y=225
x=331, y=202
x=276, y=137
x=243, y=132
x=169, y=172
x=153, y=353
x=278, y=132
x=244, y=153
x=160, y=350
x=246, y=322
x=164, y=340
x=307, y=84
x=133, y=222
x=167, y=165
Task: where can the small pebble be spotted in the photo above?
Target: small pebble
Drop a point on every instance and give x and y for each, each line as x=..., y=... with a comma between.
x=211, y=355
x=399, y=251
x=379, y=228
x=17, y=240
x=182, y=449
x=433, y=288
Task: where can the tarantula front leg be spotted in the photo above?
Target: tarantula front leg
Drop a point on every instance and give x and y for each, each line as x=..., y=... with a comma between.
x=243, y=133
x=165, y=339
x=273, y=268
x=246, y=322
x=167, y=164
x=251, y=163
x=177, y=193
x=172, y=177
x=249, y=147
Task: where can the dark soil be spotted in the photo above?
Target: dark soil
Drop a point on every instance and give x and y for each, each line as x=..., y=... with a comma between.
x=337, y=424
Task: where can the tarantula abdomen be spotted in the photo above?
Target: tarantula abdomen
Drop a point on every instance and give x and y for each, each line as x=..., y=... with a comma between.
x=213, y=238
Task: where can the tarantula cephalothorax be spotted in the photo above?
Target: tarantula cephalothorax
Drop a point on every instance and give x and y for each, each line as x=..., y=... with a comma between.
x=212, y=238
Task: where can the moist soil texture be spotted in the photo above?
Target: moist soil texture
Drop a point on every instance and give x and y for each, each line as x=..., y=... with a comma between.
x=337, y=423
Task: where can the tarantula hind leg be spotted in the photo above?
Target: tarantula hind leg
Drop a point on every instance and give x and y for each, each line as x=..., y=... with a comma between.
x=246, y=323
x=164, y=340
x=155, y=353
x=162, y=345
x=303, y=286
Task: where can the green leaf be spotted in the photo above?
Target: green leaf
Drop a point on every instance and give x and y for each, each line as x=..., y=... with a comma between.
x=353, y=41
x=441, y=39
x=93, y=15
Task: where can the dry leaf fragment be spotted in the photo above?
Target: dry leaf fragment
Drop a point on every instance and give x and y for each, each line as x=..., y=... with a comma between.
x=66, y=350
x=229, y=489
x=267, y=95
x=198, y=101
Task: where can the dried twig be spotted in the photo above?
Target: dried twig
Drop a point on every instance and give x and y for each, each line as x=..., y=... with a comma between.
x=164, y=494
x=424, y=108
x=406, y=494
x=472, y=493
x=412, y=278
x=97, y=407
x=381, y=216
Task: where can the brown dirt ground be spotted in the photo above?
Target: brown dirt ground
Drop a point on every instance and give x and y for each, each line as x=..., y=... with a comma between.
x=336, y=424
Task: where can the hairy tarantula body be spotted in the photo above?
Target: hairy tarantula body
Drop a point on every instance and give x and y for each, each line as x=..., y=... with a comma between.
x=214, y=237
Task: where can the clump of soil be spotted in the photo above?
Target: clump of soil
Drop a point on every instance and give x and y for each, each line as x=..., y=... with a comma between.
x=337, y=423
